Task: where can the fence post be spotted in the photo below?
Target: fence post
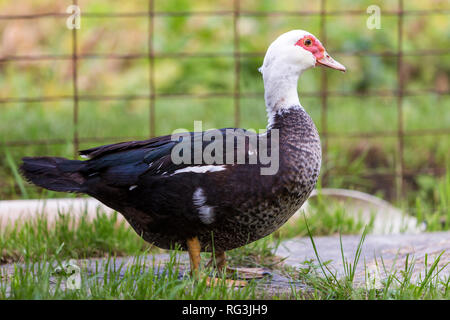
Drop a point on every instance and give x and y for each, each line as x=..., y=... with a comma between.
x=237, y=64
x=399, y=168
x=151, y=70
x=324, y=95
x=76, y=140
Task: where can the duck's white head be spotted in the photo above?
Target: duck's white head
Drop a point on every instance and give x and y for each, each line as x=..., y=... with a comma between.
x=286, y=58
x=298, y=50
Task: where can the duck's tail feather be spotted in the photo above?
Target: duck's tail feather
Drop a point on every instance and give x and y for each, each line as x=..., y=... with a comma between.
x=53, y=173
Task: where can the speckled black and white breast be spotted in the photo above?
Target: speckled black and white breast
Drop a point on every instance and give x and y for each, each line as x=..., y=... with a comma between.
x=233, y=205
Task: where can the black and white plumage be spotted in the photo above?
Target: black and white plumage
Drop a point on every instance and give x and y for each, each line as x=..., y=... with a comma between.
x=225, y=205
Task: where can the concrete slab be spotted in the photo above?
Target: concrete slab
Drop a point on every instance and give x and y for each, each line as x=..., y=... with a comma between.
x=16, y=211
x=392, y=248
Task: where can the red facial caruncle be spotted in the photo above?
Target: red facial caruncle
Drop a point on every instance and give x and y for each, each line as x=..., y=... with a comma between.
x=313, y=45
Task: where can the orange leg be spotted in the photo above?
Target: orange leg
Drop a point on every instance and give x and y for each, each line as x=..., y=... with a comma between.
x=194, y=255
x=194, y=249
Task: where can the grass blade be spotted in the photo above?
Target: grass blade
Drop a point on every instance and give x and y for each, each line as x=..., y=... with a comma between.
x=18, y=179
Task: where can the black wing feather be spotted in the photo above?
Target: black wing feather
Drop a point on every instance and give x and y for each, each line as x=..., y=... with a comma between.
x=123, y=164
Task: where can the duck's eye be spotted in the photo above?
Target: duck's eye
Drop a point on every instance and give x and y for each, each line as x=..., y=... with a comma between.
x=308, y=42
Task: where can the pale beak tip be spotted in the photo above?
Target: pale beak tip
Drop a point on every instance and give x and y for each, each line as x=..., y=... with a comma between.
x=329, y=62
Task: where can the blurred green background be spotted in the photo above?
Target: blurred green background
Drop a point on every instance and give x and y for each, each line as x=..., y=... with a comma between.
x=364, y=164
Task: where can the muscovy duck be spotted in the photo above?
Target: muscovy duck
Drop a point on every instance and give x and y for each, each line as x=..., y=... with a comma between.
x=208, y=206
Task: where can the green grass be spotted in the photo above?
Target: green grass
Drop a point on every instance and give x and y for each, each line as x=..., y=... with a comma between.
x=140, y=281
x=435, y=213
x=37, y=247
x=36, y=275
x=68, y=238
x=18, y=179
x=395, y=284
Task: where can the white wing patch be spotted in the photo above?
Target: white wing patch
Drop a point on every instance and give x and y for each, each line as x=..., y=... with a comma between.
x=206, y=213
x=200, y=169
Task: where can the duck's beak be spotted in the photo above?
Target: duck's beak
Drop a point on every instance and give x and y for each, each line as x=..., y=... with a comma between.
x=329, y=62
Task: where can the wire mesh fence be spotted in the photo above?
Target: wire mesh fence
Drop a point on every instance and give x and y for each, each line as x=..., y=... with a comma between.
x=323, y=92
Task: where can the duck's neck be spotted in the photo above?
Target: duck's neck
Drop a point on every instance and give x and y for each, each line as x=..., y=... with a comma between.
x=280, y=91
